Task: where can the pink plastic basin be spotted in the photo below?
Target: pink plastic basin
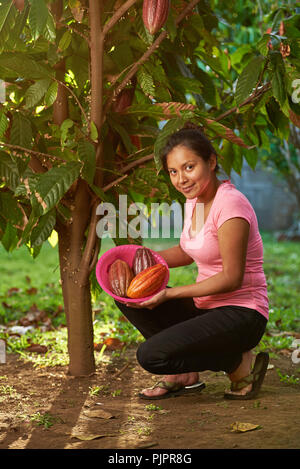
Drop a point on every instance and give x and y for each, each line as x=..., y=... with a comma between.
x=125, y=252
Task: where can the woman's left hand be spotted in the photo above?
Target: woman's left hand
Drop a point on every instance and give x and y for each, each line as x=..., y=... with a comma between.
x=152, y=302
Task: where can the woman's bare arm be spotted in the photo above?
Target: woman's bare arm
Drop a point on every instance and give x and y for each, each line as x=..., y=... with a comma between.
x=233, y=241
x=175, y=257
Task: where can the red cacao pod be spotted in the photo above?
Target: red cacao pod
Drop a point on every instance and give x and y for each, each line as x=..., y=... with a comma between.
x=143, y=259
x=147, y=282
x=124, y=100
x=119, y=275
x=155, y=14
x=19, y=4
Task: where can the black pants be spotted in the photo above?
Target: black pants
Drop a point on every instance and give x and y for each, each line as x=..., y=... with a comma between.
x=182, y=338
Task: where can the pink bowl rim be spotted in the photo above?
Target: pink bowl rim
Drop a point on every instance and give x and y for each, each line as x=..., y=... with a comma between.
x=121, y=299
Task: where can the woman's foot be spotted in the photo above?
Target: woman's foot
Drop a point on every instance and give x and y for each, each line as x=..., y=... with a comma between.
x=185, y=379
x=244, y=369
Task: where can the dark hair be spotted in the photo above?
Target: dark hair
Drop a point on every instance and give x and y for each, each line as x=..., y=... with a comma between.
x=191, y=137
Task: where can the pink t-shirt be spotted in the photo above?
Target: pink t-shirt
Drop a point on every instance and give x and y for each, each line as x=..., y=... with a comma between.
x=204, y=249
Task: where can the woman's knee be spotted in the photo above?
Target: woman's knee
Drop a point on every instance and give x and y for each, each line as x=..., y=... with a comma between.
x=149, y=358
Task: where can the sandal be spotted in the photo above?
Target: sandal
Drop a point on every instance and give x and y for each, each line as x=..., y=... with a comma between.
x=256, y=378
x=174, y=390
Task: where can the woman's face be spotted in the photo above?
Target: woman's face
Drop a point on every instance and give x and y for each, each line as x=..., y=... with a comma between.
x=189, y=173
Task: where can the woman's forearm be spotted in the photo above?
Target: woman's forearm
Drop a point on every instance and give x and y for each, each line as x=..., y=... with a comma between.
x=175, y=257
x=219, y=283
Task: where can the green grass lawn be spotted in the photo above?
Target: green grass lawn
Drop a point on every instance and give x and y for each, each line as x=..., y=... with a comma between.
x=28, y=283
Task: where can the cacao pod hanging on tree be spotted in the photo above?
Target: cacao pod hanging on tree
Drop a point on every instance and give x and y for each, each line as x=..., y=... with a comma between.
x=125, y=98
x=155, y=14
x=19, y=4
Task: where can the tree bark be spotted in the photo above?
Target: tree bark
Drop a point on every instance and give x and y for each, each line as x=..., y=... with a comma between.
x=78, y=308
x=71, y=242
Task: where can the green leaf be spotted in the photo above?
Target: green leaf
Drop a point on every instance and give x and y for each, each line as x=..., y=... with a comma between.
x=87, y=155
x=142, y=32
x=262, y=45
x=32, y=221
x=237, y=163
x=3, y=123
x=2, y=227
x=275, y=116
x=6, y=7
x=38, y=16
x=237, y=56
x=10, y=238
x=213, y=62
x=34, y=250
x=21, y=68
x=65, y=126
x=227, y=156
x=21, y=132
x=26, y=184
x=10, y=210
x=142, y=181
x=209, y=92
x=94, y=132
x=43, y=229
x=65, y=40
x=49, y=31
x=8, y=171
x=122, y=55
x=156, y=70
x=8, y=15
x=170, y=26
x=251, y=157
x=36, y=92
x=145, y=110
x=170, y=127
x=145, y=81
x=100, y=193
x=248, y=79
x=123, y=134
x=52, y=185
x=278, y=79
x=51, y=94
x=187, y=85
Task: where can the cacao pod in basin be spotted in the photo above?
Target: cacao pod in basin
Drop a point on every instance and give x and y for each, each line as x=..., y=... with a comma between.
x=155, y=14
x=120, y=275
x=143, y=258
x=147, y=282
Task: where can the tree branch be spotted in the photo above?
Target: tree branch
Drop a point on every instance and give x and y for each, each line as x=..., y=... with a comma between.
x=72, y=28
x=146, y=55
x=75, y=97
x=249, y=100
x=117, y=15
x=32, y=152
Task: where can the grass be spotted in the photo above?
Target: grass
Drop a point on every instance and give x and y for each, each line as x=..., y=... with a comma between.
x=28, y=283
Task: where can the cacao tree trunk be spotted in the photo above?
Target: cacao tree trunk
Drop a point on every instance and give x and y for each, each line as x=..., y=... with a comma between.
x=78, y=308
x=71, y=242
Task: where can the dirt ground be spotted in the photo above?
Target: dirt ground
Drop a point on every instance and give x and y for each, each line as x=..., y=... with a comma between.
x=47, y=409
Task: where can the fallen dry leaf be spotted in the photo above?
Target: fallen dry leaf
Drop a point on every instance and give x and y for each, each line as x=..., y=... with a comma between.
x=37, y=348
x=241, y=427
x=12, y=291
x=98, y=413
x=286, y=352
x=111, y=344
x=31, y=291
